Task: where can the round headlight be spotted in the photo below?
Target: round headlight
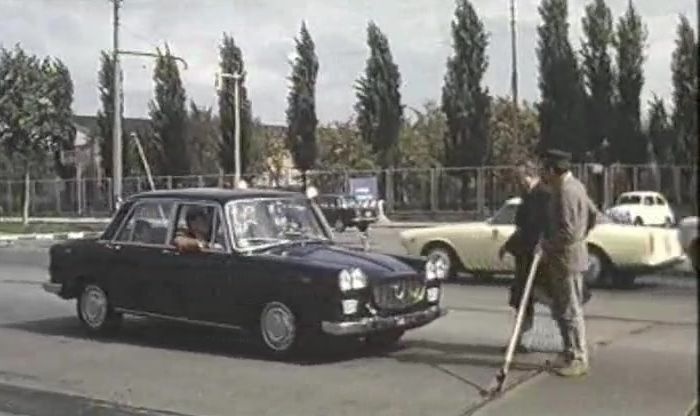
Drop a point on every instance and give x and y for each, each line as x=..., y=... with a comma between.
x=430, y=270
x=352, y=279
x=435, y=269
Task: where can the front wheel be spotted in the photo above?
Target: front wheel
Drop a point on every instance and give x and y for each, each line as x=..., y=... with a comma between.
x=638, y=221
x=444, y=260
x=278, y=329
x=95, y=312
x=598, y=268
x=384, y=339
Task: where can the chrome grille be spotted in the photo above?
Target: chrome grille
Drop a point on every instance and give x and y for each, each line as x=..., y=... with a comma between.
x=399, y=294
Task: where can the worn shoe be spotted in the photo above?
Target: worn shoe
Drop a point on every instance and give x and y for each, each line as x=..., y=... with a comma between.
x=575, y=368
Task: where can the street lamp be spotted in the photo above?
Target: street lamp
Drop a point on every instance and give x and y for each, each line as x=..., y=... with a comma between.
x=236, y=76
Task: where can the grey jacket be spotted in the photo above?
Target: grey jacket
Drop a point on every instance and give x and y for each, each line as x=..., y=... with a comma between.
x=572, y=215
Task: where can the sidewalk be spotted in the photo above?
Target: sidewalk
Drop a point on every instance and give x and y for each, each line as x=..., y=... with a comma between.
x=648, y=372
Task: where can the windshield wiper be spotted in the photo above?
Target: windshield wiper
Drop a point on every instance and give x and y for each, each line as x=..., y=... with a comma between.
x=303, y=235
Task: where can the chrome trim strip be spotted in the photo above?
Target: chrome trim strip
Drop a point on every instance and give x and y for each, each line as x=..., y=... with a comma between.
x=378, y=323
x=54, y=288
x=176, y=319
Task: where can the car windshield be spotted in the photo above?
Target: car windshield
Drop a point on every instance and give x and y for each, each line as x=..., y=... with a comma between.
x=258, y=223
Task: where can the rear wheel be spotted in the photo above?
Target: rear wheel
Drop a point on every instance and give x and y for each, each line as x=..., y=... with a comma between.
x=694, y=253
x=444, y=258
x=95, y=312
x=668, y=222
x=638, y=221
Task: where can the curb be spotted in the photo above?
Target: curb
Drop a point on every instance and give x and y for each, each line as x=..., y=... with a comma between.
x=8, y=239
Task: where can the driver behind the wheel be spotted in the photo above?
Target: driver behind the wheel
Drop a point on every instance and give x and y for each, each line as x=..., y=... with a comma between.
x=197, y=235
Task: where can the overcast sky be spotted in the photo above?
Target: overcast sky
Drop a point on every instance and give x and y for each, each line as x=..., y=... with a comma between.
x=418, y=32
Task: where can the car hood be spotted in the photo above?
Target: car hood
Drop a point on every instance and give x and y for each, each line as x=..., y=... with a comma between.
x=331, y=256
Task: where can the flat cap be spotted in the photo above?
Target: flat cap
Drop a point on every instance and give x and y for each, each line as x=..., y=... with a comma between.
x=555, y=158
x=556, y=155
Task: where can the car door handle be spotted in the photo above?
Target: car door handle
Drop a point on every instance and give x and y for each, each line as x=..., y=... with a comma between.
x=115, y=247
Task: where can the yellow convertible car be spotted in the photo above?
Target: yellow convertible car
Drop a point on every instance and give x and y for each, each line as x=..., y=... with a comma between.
x=617, y=253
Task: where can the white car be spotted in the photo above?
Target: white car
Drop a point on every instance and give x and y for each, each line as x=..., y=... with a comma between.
x=642, y=208
x=688, y=237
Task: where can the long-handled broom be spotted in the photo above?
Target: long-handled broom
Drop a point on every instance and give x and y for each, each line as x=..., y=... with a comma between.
x=497, y=385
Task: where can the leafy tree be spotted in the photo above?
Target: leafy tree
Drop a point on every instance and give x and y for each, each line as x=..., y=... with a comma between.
x=60, y=92
x=561, y=108
x=465, y=101
x=301, y=104
x=105, y=116
x=341, y=147
x=231, y=62
x=659, y=131
x=28, y=116
x=684, y=67
x=629, y=144
x=598, y=72
x=269, y=153
x=508, y=149
x=421, y=141
x=379, y=110
x=169, y=116
x=202, y=140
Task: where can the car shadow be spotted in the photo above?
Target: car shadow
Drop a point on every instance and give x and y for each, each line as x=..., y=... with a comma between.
x=154, y=333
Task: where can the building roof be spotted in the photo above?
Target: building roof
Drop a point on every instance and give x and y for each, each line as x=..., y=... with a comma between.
x=221, y=195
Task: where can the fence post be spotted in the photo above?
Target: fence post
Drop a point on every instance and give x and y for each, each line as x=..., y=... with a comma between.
x=57, y=195
x=480, y=194
x=170, y=182
x=32, y=197
x=433, y=190
x=200, y=181
x=110, y=195
x=389, y=189
x=346, y=181
x=635, y=178
x=9, y=198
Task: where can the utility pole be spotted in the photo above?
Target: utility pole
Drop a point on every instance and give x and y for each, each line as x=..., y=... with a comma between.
x=117, y=162
x=514, y=63
x=237, y=76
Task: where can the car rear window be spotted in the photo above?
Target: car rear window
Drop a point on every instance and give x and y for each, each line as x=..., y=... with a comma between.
x=629, y=199
x=147, y=223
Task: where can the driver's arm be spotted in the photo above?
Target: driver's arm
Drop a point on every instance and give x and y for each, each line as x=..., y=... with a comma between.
x=185, y=243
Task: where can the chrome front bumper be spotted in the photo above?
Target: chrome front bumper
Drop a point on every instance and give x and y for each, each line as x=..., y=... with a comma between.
x=379, y=323
x=54, y=288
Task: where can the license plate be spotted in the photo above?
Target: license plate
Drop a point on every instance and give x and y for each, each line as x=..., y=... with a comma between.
x=401, y=321
x=368, y=214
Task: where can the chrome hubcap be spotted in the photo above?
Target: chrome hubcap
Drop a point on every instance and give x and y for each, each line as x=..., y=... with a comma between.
x=278, y=326
x=93, y=306
x=595, y=267
x=441, y=260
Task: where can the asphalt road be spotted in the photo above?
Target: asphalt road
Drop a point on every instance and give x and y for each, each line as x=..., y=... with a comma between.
x=49, y=367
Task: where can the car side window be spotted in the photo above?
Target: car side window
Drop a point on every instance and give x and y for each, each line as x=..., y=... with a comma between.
x=147, y=224
x=648, y=200
x=505, y=215
x=216, y=235
x=660, y=201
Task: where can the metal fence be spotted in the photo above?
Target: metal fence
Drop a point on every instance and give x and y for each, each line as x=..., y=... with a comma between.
x=439, y=190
